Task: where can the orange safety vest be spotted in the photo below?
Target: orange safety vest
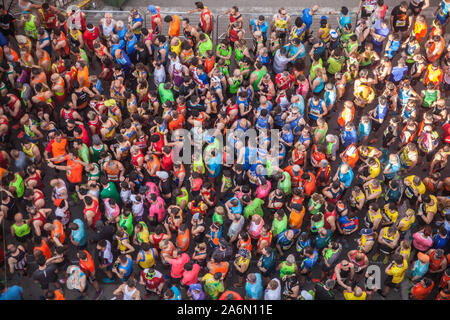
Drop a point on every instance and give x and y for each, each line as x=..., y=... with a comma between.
x=44, y=249
x=181, y=238
x=155, y=160
x=60, y=231
x=113, y=175
x=88, y=265
x=247, y=244
x=351, y=155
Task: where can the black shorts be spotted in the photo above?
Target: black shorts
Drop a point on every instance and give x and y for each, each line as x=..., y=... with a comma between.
x=388, y=282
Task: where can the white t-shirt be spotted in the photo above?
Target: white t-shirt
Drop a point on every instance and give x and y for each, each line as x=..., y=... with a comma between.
x=270, y=294
x=280, y=62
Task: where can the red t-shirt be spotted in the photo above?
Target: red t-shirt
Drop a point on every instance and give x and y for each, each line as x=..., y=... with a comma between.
x=153, y=283
x=178, y=265
x=446, y=129
x=191, y=277
x=89, y=37
x=85, y=136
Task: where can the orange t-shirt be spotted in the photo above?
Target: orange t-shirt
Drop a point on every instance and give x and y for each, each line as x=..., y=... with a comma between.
x=85, y=74
x=89, y=264
x=74, y=175
x=60, y=231
x=296, y=218
x=59, y=148
x=176, y=124
x=44, y=249
x=180, y=239
x=174, y=26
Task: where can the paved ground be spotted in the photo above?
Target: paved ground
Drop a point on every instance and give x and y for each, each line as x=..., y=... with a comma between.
x=32, y=291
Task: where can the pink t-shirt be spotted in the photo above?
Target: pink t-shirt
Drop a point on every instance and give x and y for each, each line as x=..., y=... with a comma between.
x=421, y=243
x=178, y=265
x=263, y=193
x=191, y=277
x=158, y=209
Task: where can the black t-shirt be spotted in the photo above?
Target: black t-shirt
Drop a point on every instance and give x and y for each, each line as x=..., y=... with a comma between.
x=401, y=19
x=165, y=187
x=105, y=233
x=6, y=22
x=46, y=276
x=322, y=293
x=240, y=178
x=185, y=89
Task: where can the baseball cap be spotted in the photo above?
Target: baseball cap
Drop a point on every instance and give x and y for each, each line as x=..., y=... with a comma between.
x=152, y=9
x=196, y=216
x=162, y=174
x=324, y=18
x=333, y=34
x=296, y=168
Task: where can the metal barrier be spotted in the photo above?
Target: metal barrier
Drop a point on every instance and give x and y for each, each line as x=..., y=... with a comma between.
x=220, y=21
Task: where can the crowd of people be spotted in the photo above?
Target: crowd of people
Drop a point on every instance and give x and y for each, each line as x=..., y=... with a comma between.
x=126, y=156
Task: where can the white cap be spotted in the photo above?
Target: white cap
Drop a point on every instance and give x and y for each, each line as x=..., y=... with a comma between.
x=162, y=174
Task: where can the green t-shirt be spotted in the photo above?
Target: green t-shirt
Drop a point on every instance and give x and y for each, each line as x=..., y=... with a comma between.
x=110, y=192
x=165, y=94
x=212, y=287
x=224, y=53
x=335, y=65
x=19, y=185
x=279, y=226
x=84, y=56
x=84, y=153
x=127, y=224
x=254, y=208
x=286, y=184
x=205, y=46
x=260, y=74
x=217, y=218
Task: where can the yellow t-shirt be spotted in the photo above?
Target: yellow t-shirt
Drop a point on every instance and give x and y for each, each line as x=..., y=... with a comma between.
x=375, y=170
x=398, y=273
x=351, y=296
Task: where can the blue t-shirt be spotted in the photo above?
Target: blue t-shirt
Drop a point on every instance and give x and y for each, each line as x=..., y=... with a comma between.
x=288, y=137
x=255, y=291
x=263, y=28
x=214, y=165
x=237, y=209
x=309, y=263
x=13, y=293
x=440, y=242
x=131, y=50
x=346, y=178
x=120, y=45
x=307, y=17
x=177, y=293
x=79, y=235
x=419, y=269
x=121, y=33
x=283, y=241
x=268, y=263
x=398, y=73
